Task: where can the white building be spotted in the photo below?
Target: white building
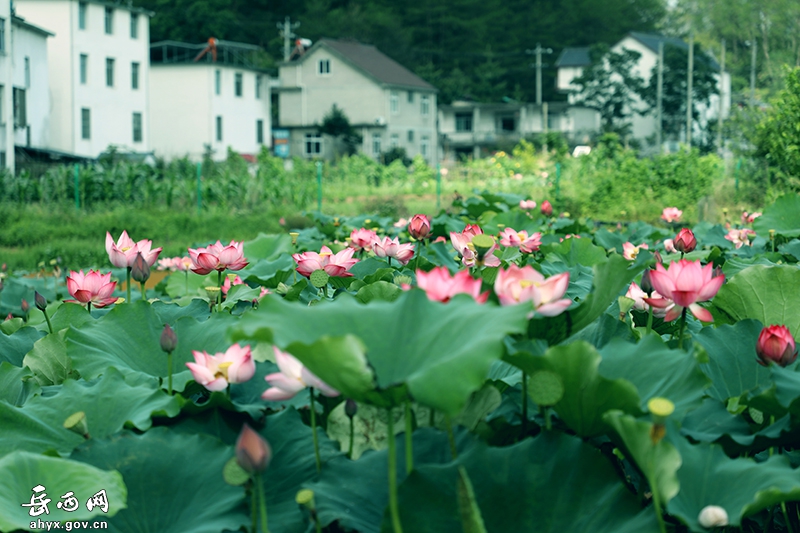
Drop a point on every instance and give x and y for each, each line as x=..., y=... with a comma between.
x=24, y=90
x=387, y=104
x=98, y=69
x=208, y=104
x=573, y=60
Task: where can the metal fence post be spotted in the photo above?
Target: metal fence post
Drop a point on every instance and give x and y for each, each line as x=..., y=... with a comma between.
x=199, y=188
x=319, y=186
x=77, y=173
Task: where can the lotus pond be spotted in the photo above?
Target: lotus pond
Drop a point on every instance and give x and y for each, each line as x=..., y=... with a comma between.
x=496, y=368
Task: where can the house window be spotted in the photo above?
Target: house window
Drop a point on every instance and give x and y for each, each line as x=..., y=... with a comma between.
x=425, y=105
x=109, y=20
x=411, y=136
x=84, y=69
x=27, y=71
x=134, y=75
x=324, y=67
x=2, y=35
x=394, y=140
x=137, y=127
x=463, y=121
x=410, y=97
x=81, y=15
x=20, y=108
x=258, y=87
x=217, y=81
x=219, y=128
x=237, y=84
x=260, y=131
x=507, y=124
x=424, y=142
x=134, y=26
x=376, y=144
x=109, y=72
x=313, y=144
x=86, y=126
x=393, y=102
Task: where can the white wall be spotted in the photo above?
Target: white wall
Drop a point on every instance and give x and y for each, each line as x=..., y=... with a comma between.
x=32, y=45
x=111, y=108
x=184, y=106
x=6, y=109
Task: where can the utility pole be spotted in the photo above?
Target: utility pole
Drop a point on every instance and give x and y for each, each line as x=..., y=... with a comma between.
x=660, y=94
x=689, y=75
x=721, y=96
x=539, y=51
x=753, y=71
x=286, y=30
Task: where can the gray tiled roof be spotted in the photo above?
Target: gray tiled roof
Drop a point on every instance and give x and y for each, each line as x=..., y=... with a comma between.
x=376, y=64
x=574, y=57
x=651, y=41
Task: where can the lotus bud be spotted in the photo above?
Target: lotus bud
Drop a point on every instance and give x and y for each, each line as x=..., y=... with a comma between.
x=76, y=422
x=25, y=306
x=657, y=255
x=41, y=301
x=713, y=516
x=685, y=241
x=350, y=408
x=169, y=341
x=546, y=208
x=776, y=345
x=140, y=271
x=646, y=284
x=253, y=453
x=660, y=409
x=419, y=227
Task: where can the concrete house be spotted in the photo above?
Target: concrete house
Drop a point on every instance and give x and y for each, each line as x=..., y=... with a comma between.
x=98, y=69
x=472, y=128
x=24, y=86
x=208, y=98
x=572, y=61
x=386, y=103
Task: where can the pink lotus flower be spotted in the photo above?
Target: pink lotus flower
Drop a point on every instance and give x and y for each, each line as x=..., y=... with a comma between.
x=527, y=204
x=546, y=208
x=440, y=286
x=174, y=264
x=389, y=247
x=215, y=372
x=750, y=218
x=402, y=223
x=638, y=296
x=520, y=239
x=740, y=237
x=292, y=378
x=517, y=285
x=671, y=214
x=776, y=345
x=685, y=283
x=92, y=288
x=362, y=239
x=218, y=257
x=630, y=252
x=669, y=246
x=419, y=227
x=462, y=242
x=122, y=253
x=335, y=265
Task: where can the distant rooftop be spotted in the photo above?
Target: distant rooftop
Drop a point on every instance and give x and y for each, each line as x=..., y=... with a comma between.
x=374, y=63
x=651, y=41
x=229, y=53
x=574, y=57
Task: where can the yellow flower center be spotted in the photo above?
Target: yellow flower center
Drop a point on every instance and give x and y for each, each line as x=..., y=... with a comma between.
x=222, y=370
x=126, y=248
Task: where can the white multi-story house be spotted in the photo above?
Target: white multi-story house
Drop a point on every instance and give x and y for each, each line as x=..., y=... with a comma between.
x=573, y=60
x=24, y=90
x=387, y=104
x=207, y=100
x=98, y=68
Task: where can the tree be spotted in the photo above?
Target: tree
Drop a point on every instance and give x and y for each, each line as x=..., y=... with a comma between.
x=610, y=86
x=337, y=125
x=777, y=137
x=673, y=100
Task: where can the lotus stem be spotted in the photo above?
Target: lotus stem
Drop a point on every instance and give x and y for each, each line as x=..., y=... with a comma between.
x=314, y=429
x=389, y=259
x=219, y=294
x=169, y=372
x=786, y=518
x=657, y=507
x=186, y=281
x=89, y=307
x=683, y=326
x=394, y=510
x=524, y=403
x=409, y=440
x=128, y=285
x=450, y=436
x=650, y=320
x=49, y=325
x=262, y=504
x=254, y=508
x=352, y=438
x=432, y=418
x=141, y=284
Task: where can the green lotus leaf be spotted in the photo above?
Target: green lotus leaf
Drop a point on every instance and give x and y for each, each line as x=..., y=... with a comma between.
x=783, y=216
x=22, y=471
x=16, y=384
x=49, y=361
x=267, y=247
x=575, y=252
x=14, y=347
